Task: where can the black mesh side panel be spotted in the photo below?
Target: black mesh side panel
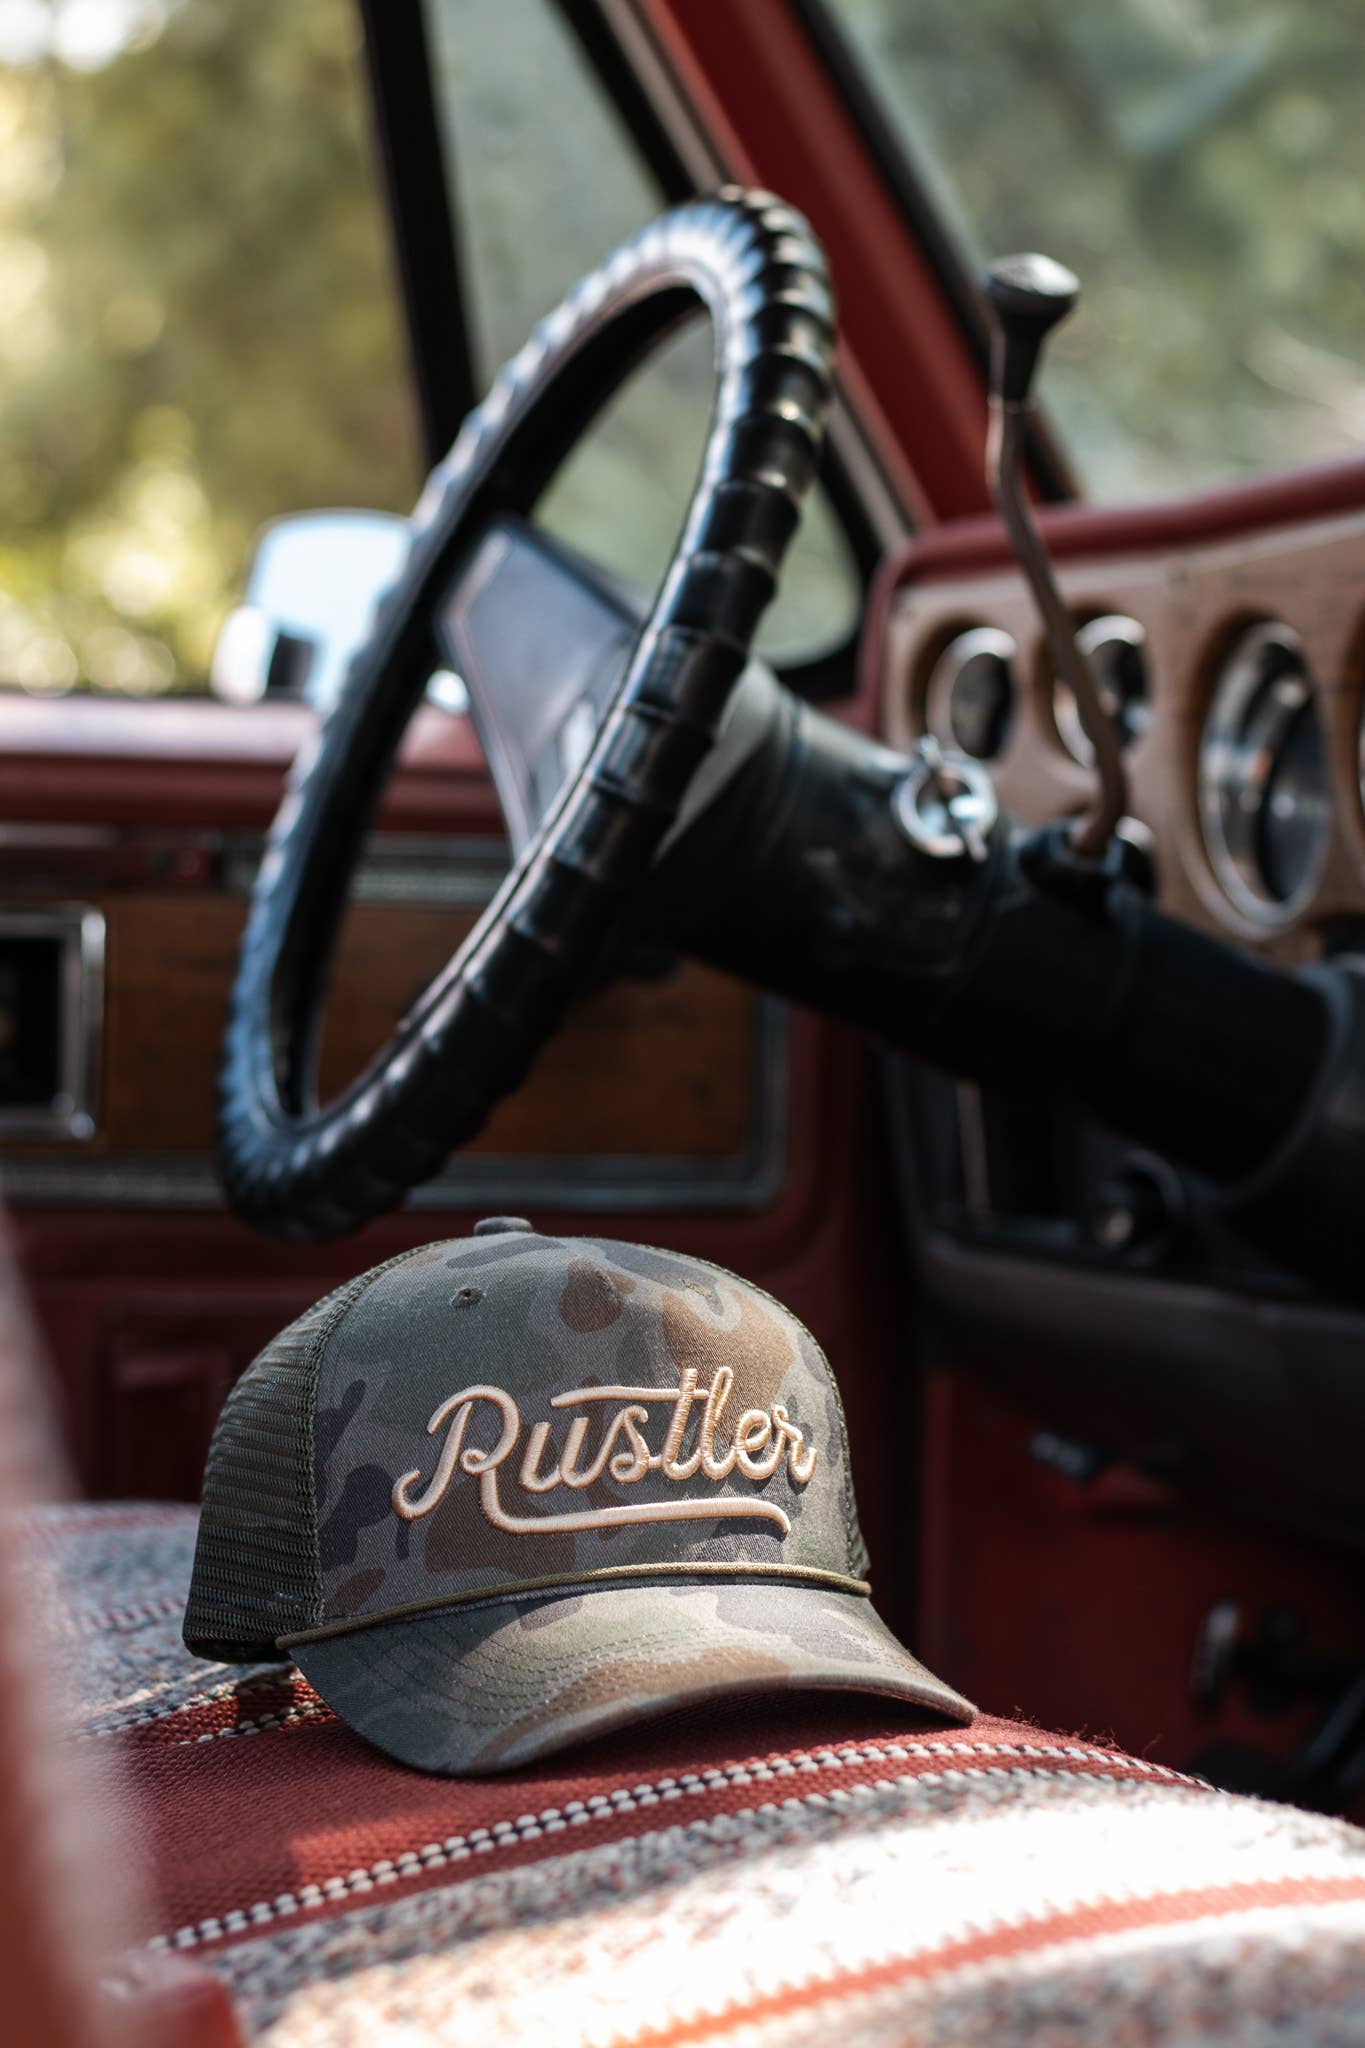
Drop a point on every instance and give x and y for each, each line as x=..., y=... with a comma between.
x=256, y=1571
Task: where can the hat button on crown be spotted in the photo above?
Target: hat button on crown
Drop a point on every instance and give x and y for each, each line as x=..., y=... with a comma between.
x=494, y=1226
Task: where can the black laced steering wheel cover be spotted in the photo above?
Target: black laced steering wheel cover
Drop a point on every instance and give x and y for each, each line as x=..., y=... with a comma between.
x=297, y=1170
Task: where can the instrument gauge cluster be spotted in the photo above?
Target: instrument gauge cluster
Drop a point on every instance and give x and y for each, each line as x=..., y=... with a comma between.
x=1264, y=802
x=1225, y=640
x=970, y=702
x=1115, y=647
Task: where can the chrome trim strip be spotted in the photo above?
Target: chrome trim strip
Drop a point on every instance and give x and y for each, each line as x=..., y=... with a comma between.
x=396, y=868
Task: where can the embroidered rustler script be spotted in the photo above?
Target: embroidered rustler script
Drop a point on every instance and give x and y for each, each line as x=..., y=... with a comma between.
x=761, y=1440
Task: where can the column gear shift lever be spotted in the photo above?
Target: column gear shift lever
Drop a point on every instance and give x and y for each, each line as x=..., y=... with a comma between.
x=1029, y=296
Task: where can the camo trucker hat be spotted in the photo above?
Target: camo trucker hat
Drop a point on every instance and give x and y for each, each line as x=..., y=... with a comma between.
x=510, y=1491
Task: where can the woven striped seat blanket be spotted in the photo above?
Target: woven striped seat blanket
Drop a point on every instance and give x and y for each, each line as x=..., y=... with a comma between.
x=767, y=1874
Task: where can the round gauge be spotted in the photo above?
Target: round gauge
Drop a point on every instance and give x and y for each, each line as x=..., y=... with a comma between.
x=1263, y=795
x=1115, y=648
x=970, y=701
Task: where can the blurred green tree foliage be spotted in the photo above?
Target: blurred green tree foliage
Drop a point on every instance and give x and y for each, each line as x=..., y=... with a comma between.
x=1201, y=165
x=201, y=328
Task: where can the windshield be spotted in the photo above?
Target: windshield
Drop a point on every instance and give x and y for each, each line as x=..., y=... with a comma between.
x=1201, y=165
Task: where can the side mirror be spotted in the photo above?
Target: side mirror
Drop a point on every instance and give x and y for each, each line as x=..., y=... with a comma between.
x=310, y=595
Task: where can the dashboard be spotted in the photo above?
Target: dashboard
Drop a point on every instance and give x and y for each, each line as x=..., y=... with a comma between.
x=1090, y=1280
x=1236, y=672
x=127, y=852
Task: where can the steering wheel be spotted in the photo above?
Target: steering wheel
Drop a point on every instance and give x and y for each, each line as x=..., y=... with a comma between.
x=295, y=1168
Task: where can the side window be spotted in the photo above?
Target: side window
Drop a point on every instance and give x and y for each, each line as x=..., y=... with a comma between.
x=547, y=180
x=201, y=327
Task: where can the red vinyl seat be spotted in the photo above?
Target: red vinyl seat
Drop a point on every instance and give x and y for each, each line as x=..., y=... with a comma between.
x=772, y=1873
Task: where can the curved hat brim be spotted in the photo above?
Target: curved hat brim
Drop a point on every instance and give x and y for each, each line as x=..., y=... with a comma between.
x=475, y=1690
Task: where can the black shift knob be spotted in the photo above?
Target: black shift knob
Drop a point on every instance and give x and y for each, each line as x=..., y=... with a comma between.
x=1028, y=295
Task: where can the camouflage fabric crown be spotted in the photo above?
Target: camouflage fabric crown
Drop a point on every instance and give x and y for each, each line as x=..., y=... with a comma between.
x=635, y=1457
